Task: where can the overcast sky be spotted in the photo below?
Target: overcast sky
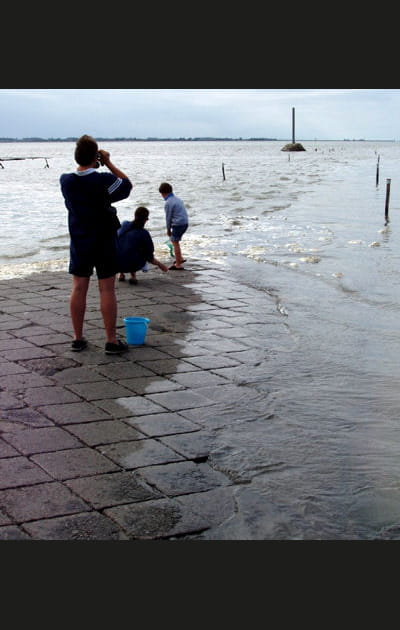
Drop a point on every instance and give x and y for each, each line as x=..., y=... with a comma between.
x=319, y=113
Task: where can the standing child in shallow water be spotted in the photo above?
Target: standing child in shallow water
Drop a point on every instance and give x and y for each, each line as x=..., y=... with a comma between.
x=177, y=221
x=135, y=246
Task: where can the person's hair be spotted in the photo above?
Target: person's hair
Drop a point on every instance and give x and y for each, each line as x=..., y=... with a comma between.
x=141, y=216
x=86, y=150
x=165, y=188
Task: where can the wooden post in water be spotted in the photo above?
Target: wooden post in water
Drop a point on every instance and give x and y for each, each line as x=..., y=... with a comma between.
x=387, y=201
x=223, y=172
x=38, y=157
x=293, y=125
x=293, y=146
x=377, y=172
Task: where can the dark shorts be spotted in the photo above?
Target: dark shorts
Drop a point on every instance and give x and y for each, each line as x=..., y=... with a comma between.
x=177, y=231
x=86, y=256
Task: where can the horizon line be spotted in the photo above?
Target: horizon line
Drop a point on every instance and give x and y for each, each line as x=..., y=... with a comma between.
x=190, y=139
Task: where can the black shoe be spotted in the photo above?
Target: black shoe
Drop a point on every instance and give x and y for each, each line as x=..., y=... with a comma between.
x=78, y=345
x=132, y=281
x=116, y=348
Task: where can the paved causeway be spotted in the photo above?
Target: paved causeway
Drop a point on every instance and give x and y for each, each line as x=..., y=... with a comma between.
x=99, y=447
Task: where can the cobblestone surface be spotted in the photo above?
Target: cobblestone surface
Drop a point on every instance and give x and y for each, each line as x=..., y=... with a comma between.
x=100, y=447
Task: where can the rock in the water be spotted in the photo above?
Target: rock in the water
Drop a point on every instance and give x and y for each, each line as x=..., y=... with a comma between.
x=293, y=146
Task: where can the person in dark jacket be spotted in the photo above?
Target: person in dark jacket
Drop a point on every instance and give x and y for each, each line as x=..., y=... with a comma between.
x=93, y=224
x=136, y=247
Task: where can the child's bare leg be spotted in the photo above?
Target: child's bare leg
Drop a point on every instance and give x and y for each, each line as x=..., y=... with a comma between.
x=178, y=254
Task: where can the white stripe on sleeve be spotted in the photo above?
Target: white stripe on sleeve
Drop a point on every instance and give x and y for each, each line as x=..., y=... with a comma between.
x=115, y=185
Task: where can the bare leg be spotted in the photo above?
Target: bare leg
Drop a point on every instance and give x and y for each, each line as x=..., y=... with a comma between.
x=108, y=307
x=77, y=304
x=178, y=254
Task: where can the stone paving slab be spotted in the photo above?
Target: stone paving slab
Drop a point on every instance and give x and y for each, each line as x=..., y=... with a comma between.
x=25, y=416
x=162, y=518
x=29, y=441
x=11, y=532
x=99, y=390
x=28, y=352
x=24, y=380
x=119, y=448
x=159, y=424
x=69, y=463
x=192, y=446
x=129, y=406
x=8, y=322
x=4, y=519
x=75, y=374
x=37, y=396
x=117, y=488
x=88, y=526
x=178, y=400
x=183, y=477
x=20, y=471
x=200, y=378
x=43, y=500
x=6, y=450
x=9, y=401
x=105, y=432
x=139, y=453
x=71, y=413
x=149, y=384
x=9, y=367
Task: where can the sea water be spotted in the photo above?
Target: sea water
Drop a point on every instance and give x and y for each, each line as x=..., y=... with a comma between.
x=322, y=461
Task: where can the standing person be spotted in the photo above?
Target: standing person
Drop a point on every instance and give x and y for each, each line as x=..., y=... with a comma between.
x=177, y=221
x=135, y=246
x=93, y=224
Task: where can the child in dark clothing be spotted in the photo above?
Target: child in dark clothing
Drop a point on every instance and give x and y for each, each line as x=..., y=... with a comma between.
x=136, y=247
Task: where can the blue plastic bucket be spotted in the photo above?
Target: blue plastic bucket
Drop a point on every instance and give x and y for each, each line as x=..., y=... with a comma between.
x=135, y=330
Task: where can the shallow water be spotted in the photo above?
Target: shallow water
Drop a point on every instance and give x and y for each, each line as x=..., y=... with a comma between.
x=322, y=457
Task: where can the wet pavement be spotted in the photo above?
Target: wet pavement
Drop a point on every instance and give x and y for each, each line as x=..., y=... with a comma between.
x=101, y=447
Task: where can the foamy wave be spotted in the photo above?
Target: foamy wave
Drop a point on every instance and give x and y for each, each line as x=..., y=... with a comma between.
x=21, y=254
x=8, y=272
x=310, y=259
x=57, y=238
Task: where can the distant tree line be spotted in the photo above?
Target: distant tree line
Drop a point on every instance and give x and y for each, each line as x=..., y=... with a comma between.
x=150, y=139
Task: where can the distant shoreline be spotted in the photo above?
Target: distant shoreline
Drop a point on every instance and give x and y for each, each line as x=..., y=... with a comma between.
x=203, y=139
x=149, y=139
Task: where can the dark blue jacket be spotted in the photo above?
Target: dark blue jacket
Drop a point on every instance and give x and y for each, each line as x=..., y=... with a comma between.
x=135, y=247
x=88, y=195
